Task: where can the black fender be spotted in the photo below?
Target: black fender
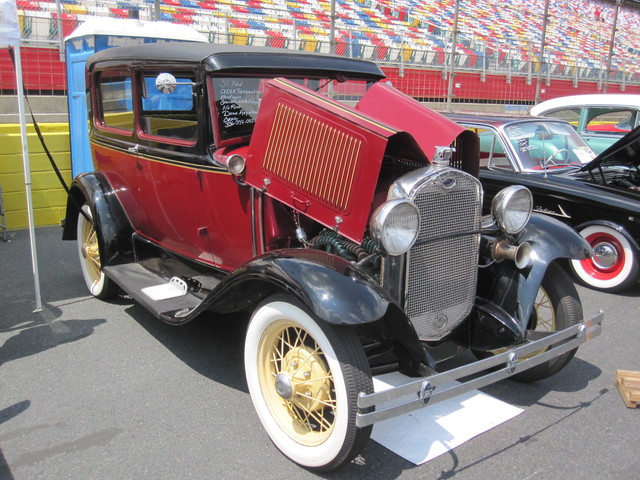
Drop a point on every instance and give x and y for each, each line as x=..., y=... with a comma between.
x=111, y=222
x=335, y=290
x=512, y=298
x=614, y=226
x=551, y=239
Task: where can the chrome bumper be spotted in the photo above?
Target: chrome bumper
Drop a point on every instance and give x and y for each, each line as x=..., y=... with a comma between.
x=442, y=386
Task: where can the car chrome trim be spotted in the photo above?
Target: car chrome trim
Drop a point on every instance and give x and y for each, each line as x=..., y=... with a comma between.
x=424, y=273
x=561, y=213
x=254, y=240
x=446, y=385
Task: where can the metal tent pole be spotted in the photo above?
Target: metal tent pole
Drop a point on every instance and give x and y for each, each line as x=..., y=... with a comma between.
x=27, y=177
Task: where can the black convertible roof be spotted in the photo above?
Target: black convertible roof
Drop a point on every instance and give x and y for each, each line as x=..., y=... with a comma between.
x=236, y=59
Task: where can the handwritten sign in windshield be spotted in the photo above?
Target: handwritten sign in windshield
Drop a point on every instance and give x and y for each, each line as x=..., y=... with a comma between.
x=237, y=102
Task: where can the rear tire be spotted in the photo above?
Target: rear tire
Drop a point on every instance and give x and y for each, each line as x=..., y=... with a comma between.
x=304, y=377
x=97, y=282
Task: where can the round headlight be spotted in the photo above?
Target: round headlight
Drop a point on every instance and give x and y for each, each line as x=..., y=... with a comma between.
x=236, y=164
x=511, y=208
x=395, y=225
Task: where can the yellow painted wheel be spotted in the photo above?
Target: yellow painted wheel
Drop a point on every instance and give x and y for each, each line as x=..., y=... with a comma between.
x=89, y=254
x=297, y=383
x=545, y=320
x=304, y=377
x=557, y=307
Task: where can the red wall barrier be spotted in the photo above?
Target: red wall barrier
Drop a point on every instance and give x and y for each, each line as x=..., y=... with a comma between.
x=44, y=72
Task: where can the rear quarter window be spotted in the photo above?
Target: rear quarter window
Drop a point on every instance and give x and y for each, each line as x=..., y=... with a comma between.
x=115, y=101
x=610, y=121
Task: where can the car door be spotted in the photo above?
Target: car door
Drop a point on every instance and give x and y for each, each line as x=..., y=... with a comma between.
x=146, y=143
x=169, y=161
x=233, y=211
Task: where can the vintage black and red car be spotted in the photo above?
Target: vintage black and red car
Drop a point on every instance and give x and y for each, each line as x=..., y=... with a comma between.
x=302, y=188
x=597, y=196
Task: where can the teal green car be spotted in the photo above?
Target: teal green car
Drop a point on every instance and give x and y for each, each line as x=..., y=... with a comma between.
x=600, y=119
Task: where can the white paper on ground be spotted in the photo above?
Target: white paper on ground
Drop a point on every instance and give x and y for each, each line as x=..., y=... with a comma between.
x=424, y=434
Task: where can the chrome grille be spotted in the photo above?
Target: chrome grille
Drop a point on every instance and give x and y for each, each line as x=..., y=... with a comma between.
x=442, y=266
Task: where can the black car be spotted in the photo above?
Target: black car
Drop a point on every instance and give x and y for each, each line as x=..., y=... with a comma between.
x=598, y=196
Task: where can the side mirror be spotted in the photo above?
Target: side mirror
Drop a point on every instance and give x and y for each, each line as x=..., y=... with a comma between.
x=166, y=83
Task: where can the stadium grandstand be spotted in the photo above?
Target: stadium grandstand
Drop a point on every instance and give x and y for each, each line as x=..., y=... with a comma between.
x=494, y=54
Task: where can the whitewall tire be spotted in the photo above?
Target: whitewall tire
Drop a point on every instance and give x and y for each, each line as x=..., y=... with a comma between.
x=304, y=377
x=614, y=265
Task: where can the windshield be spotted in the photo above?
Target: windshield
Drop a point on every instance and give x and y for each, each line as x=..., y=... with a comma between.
x=547, y=145
x=237, y=99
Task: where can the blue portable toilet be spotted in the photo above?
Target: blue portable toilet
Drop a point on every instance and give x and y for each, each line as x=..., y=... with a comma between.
x=99, y=34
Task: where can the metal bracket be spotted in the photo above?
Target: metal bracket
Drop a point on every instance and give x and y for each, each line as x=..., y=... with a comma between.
x=512, y=363
x=425, y=392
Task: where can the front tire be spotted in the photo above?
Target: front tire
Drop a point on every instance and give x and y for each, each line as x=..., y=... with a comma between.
x=97, y=282
x=557, y=307
x=614, y=265
x=304, y=377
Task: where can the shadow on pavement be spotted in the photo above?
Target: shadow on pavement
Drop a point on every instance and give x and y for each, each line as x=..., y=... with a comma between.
x=212, y=345
x=41, y=332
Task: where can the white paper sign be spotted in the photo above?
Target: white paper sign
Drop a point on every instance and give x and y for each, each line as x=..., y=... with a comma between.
x=424, y=434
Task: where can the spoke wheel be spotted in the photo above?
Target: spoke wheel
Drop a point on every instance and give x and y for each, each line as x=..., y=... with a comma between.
x=556, y=308
x=304, y=377
x=614, y=265
x=89, y=254
x=544, y=313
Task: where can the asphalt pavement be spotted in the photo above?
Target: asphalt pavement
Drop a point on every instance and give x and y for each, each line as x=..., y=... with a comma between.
x=102, y=390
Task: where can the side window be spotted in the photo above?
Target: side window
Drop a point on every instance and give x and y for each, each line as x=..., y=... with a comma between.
x=610, y=120
x=571, y=115
x=115, y=109
x=492, y=154
x=169, y=110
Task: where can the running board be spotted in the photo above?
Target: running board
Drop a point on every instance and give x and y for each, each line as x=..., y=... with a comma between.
x=175, y=300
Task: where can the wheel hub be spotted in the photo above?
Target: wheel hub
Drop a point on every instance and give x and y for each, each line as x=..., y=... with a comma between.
x=605, y=255
x=304, y=379
x=284, y=386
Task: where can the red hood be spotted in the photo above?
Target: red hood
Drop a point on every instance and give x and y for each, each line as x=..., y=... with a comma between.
x=321, y=157
x=429, y=128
